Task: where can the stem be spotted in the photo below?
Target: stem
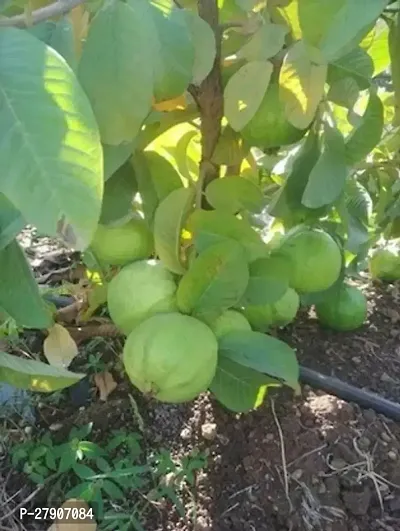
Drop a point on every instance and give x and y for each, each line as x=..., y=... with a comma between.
x=39, y=15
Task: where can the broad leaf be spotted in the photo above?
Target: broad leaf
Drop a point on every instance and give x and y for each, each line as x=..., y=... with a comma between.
x=146, y=187
x=114, y=157
x=230, y=149
x=169, y=220
x=289, y=14
x=215, y=281
x=19, y=293
x=163, y=175
x=119, y=191
x=367, y=135
x=344, y=92
x=358, y=201
x=268, y=282
x=378, y=47
x=211, y=227
x=60, y=36
x=356, y=64
x=266, y=42
x=51, y=149
x=204, y=46
x=116, y=69
x=262, y=353
x=245, y=91
x=59, y=347
x=315, y=18
x=35, y=375
x=328, y=177
x=302, y=82
x=394, y=45
x=11, y=221
x=239, y=388
x=234, y=194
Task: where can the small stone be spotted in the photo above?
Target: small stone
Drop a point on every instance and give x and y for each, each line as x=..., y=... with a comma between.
x=386, y=437
x=269, y=437
x=56, y=426
x=186, y=434
x=392, y=455
x=364, y=443
x=356, y=360
x=82, y=408
x=338, y=464
x=297, y=474
x=28, y=430
x=386, y=378
x=322, y=489
x=394, y=332
x=209, y=431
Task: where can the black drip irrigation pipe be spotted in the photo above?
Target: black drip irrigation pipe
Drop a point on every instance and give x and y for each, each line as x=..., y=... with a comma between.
x=329, y=384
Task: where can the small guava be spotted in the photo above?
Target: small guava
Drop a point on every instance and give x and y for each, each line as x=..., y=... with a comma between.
x=384, y=264
x=229, y=321
x=171, y=357
x=121, y=244
x=138, y=291
x=344, y=311
x=280, y=313
x=316, y=259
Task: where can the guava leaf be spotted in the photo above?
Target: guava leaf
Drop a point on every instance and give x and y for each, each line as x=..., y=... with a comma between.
x=163, y=175
x=315, y=18
x=344, y=92
x=34, y=375
x=394, y=46
x=146, y=187
x=356, y=64
x=203, y=39
x=59, y=347
x=118, y=195
x=51, y=149
x=116, y=69
x=266, y=42
x=211, y=227
x=239, y=388
x=19, y=293
x=245, y=91
x=302, y=82
x=114, y=157
x=328, y=177
x=368, y=134
x=11, y=221
x=289, y=13
x=233, y=194
x=169, y=220
x=268, y=282
x=377, y=47
x=230, y=149
x=60, y=36
x=262, y=353
x=215, y=281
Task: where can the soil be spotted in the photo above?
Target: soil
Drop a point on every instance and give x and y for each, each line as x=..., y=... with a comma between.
x=312, y=462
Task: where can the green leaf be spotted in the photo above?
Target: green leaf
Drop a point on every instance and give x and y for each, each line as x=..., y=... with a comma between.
x=113, y=491
x=169, y=220
x=211, y=227
x=268, y=282
x=358, y=201
x=114, y=157
x=315, y=18
x=238, y=388
x=119, y=191
x=394, y=46
x=245, y=91
x=233, y=194
x=19, y=293
x=35, y=375
x=356, y=64
x=262, y=353
x=344, y=92
x=378, y=47
x=354, y=17
x=60, y=36
x=215, y=281
x=116, y=70
x=11, y=221
x=367, y=135
x=203, y=39
x=302, y=82
x=265, y=43
x=83, y=471
x=163, y=175
x=51, y=149
x=230, y=149
x=328, y=177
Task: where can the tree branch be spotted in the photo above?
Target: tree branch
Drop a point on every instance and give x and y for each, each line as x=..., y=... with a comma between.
x=39, y=15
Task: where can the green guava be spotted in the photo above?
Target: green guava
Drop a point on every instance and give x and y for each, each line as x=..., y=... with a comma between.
x=279, y=313
x=344, y=311
x=384, y=264
x=172, y=357
x=315, y=257
x=138, y=291
x=229, y=321
x=122, y=244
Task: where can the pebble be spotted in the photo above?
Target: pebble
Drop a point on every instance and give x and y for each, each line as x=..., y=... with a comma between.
x=392, y=455
x=209, y=431
x=56, y=426
x=322, y=489
x=28, y=430
x=297, y=474
x=269, y=437
x=385, y=437
x=356, y=360
x=185, y=434
x=386, y=378
x=364, y=443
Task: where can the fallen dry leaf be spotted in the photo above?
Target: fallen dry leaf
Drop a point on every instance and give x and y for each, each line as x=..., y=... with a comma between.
x=72, y=524
x=105, y=383
x=59, y=347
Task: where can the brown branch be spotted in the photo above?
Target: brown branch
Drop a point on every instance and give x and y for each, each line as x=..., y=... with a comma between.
x=39, y=15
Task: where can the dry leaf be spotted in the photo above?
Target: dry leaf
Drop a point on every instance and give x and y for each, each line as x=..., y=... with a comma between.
x=59, y=347
x=71, y=524
x=105, y=383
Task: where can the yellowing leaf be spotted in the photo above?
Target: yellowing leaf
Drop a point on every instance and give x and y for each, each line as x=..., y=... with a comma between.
x=290, y=14
x=302, y=82
x=105, y=383
x=59, y=347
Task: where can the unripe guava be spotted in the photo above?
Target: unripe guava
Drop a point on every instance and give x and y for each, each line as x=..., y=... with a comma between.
x=384, y=264
x=344, y=311
x=280, y=313
x=229, y=321
x=122, y=244
x=315, y=257
x=138, y=291
x=172, y=357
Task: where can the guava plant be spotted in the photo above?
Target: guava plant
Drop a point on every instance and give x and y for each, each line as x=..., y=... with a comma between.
x=217, y=163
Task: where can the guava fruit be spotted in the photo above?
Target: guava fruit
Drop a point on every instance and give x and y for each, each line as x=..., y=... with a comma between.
x=122, y=244
x=171, y=357
x=315, y=258
x=343, y=311
x=384, y=264
x=269, y=127
x=229, y=321
x=279, y=313
x=138, y=291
